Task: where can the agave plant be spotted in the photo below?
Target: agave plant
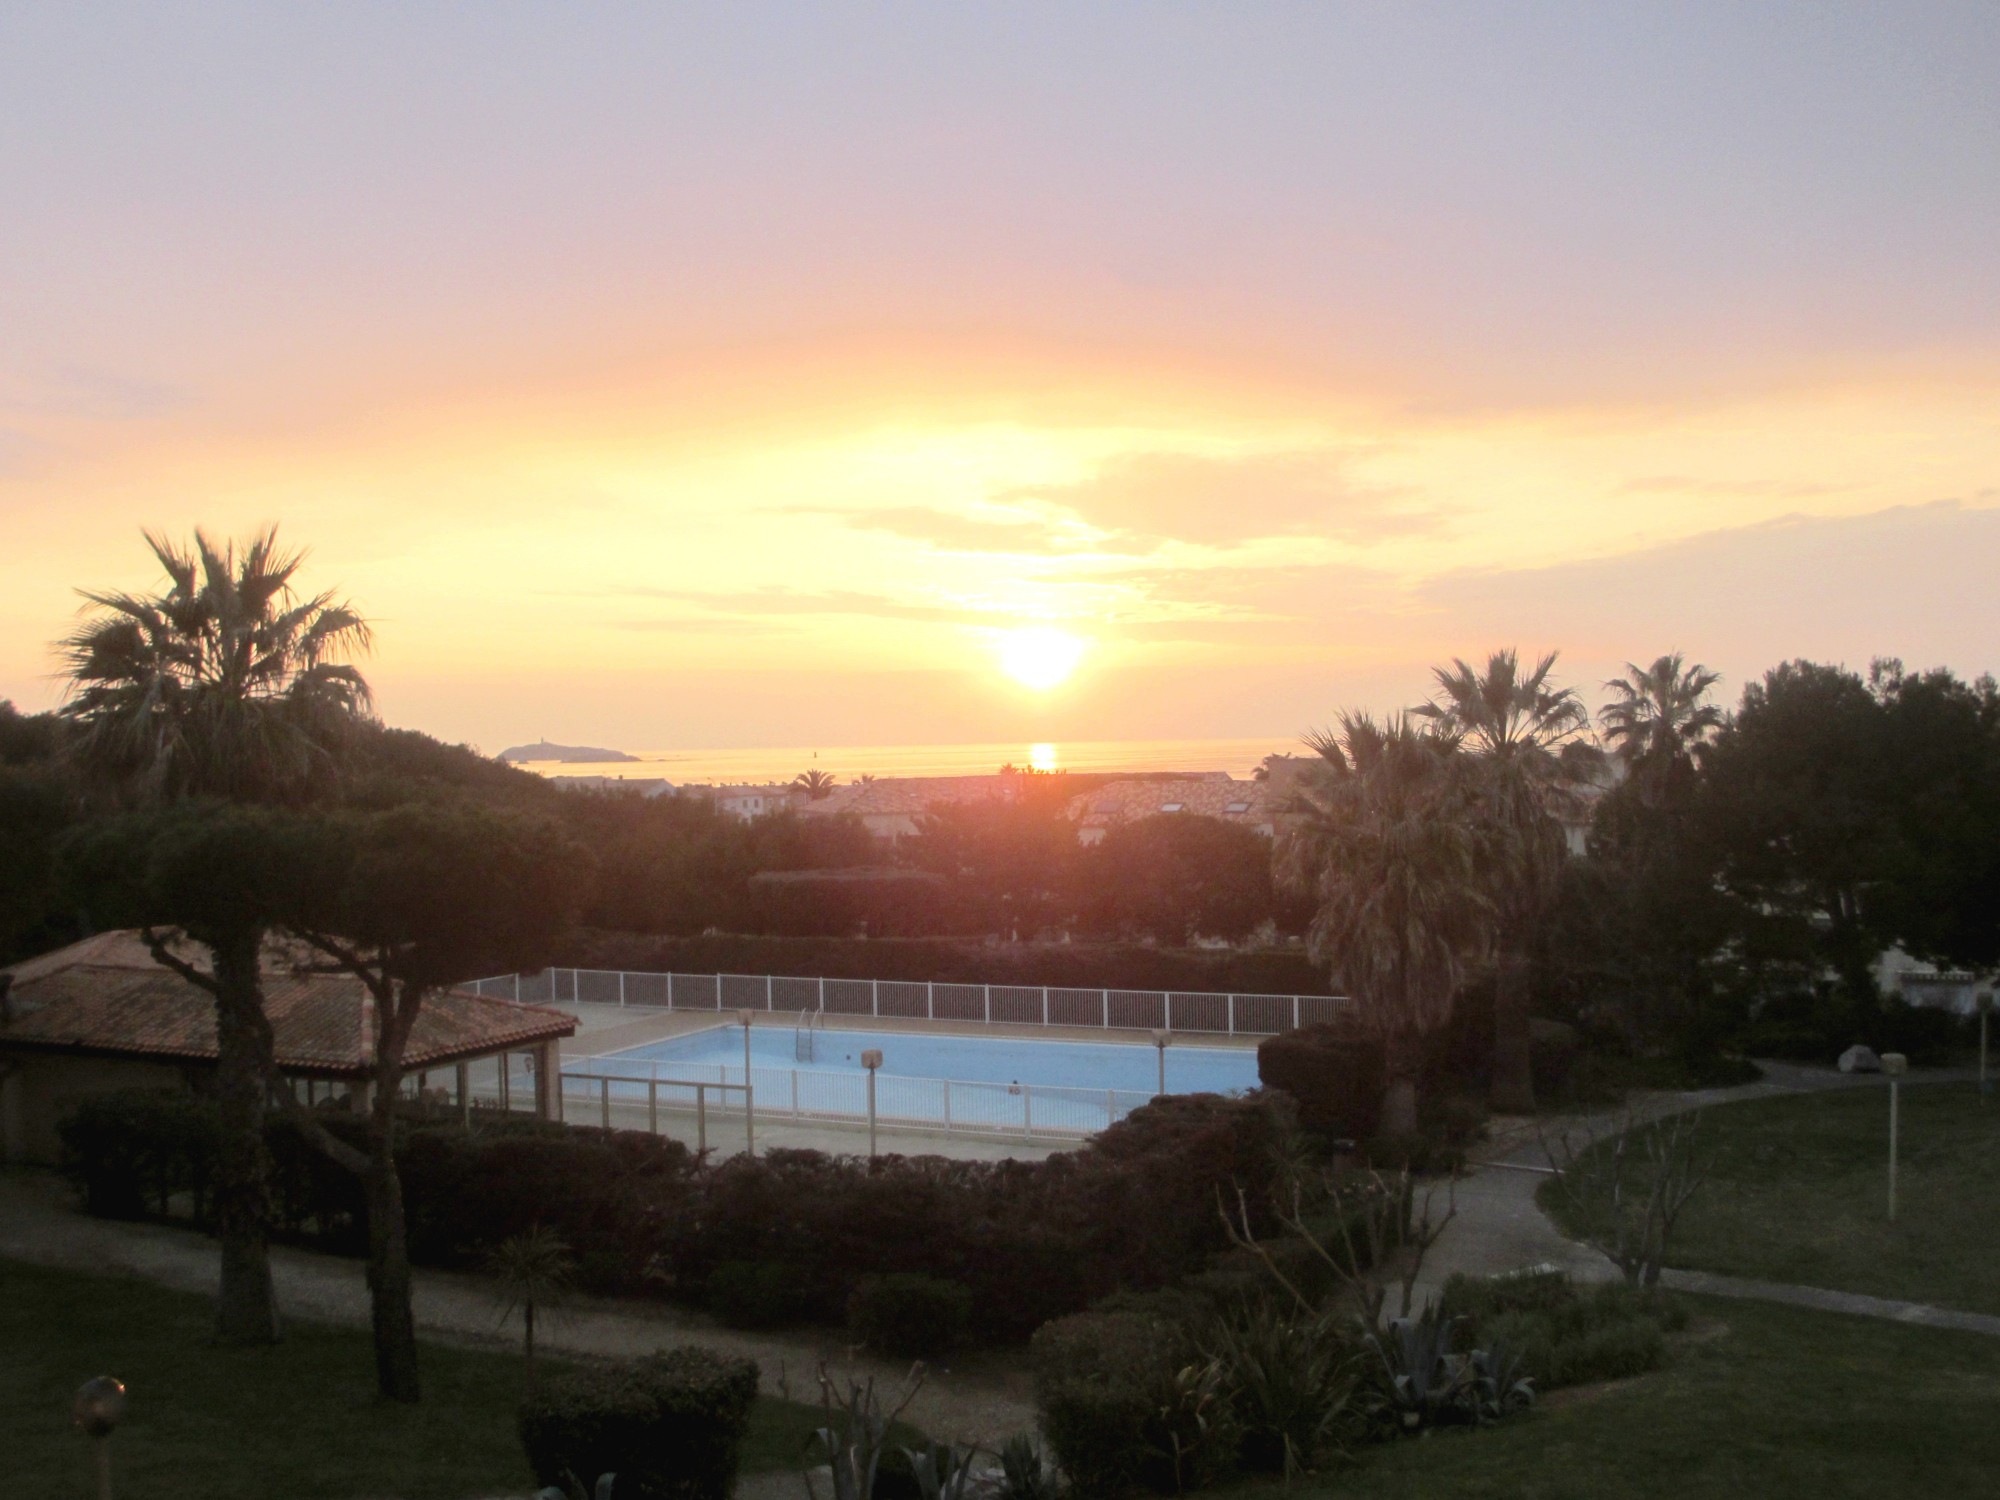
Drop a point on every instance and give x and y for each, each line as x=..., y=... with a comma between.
x=1498, y=1386
x=1424, y=1382
x=857, y=1432
x=606, y=1484
x=941, y=1469
x=1025, y=1474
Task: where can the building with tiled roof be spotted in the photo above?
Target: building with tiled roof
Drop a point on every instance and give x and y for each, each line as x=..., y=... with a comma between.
x=892, y=807
x=102, y=1015
x=1252, y=804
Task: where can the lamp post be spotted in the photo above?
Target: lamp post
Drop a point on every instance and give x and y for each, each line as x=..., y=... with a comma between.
x=1160, y=1040
x=98, y=1407
x=871, y=1060
x=1984, y=1002
x=1895, y=1065
x=749, y=1108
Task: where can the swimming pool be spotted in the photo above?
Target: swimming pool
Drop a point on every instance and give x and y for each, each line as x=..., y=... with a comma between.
x=953, y=1081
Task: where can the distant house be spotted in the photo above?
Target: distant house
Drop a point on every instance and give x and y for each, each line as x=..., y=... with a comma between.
x=748, y=801
x=101, y=1016
x=893, y=807
x=1919, y=983
x=644, y=786
x=1249, y=804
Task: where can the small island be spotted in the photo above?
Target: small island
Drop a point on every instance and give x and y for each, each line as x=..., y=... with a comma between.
x=569, y=754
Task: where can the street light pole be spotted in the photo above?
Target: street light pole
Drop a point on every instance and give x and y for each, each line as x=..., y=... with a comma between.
x=1894, y=1064
x=1984, y=1001
x=749, y=1107
x=871, y=1060
x=1160, y=1041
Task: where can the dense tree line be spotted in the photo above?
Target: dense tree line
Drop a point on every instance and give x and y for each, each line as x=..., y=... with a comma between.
x=216, y=778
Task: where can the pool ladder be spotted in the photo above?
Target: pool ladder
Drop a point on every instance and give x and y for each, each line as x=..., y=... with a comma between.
x=810, y=1021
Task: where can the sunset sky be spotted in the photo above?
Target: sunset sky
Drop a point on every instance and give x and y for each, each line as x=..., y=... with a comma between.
x=755, y=374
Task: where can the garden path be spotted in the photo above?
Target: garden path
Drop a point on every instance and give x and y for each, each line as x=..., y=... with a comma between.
x=1499, y=1227
x=982, y=1399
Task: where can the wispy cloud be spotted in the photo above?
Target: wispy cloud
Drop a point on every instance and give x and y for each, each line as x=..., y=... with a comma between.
x=958, y=532
x=765, y=602
x=1219, y=501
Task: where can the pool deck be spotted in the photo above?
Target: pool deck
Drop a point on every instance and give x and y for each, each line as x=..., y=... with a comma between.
x=605, y=1029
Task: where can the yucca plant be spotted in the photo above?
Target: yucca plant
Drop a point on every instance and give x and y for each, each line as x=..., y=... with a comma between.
x=532, y=1272
x=1292, y=1382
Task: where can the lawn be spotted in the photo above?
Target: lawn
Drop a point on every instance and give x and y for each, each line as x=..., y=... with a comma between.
x=1783, y=1403
x=299, y=1420
x=1799, y=1193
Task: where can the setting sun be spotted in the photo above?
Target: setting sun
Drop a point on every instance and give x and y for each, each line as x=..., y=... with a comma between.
x=1039, y=656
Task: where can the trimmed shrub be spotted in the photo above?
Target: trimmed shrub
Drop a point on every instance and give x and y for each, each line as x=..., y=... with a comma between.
x=757, y=1293
x=1567, y=1335
x=1336, y=1077
x=132, y=1153
x=910, y=1315
x=1128, y=1404
x=669, y=1426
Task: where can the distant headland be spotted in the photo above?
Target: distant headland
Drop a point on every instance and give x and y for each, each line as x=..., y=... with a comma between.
x=571, y=754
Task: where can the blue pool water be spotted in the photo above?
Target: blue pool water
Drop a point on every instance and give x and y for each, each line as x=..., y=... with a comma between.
x=969, y=1059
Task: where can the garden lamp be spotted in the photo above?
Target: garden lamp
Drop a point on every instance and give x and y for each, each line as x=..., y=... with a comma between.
x=1895, y=1065
x=99, y=1406
x=871, y=1060
x=1161, y=1039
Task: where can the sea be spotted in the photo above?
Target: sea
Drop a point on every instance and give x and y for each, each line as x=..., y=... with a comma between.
x=845, y=762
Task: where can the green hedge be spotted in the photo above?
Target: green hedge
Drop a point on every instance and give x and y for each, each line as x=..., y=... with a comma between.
x=1123, y=1406
x=787, y=1236
x=1336, y=1077
x=910, y=1315
x=669, y=1426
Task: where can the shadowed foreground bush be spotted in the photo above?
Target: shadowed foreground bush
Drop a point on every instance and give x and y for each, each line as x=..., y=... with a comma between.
x=669, y=1426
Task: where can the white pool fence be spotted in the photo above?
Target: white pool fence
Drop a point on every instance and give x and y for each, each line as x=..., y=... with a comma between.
x=923, y=1000
x=631, y=1093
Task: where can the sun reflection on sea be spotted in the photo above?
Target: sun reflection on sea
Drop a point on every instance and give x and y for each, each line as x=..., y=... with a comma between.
x=1042, y=757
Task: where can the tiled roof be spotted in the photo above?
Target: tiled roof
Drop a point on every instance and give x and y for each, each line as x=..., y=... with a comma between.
x=912, y=794
x=1249, y=802
x=107, y=996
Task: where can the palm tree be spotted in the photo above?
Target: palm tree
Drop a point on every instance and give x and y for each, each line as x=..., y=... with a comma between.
x=228, y=684
x=1658, y=718
x=816, y=784
x=1380, y=841
x=532, y=1270
x=224, y=685
x=1515, y=727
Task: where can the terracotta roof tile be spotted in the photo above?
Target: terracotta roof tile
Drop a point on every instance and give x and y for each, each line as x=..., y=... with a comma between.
x=1249, y=802
x=111, y=998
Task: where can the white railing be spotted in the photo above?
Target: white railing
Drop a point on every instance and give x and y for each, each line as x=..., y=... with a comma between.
x=911, y=999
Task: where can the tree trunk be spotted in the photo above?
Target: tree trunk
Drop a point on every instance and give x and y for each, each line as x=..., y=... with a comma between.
x=1513, y=1087
x=1399, y=1107
x=528, y=1322
x=246, y=1303
x=389, y=1283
